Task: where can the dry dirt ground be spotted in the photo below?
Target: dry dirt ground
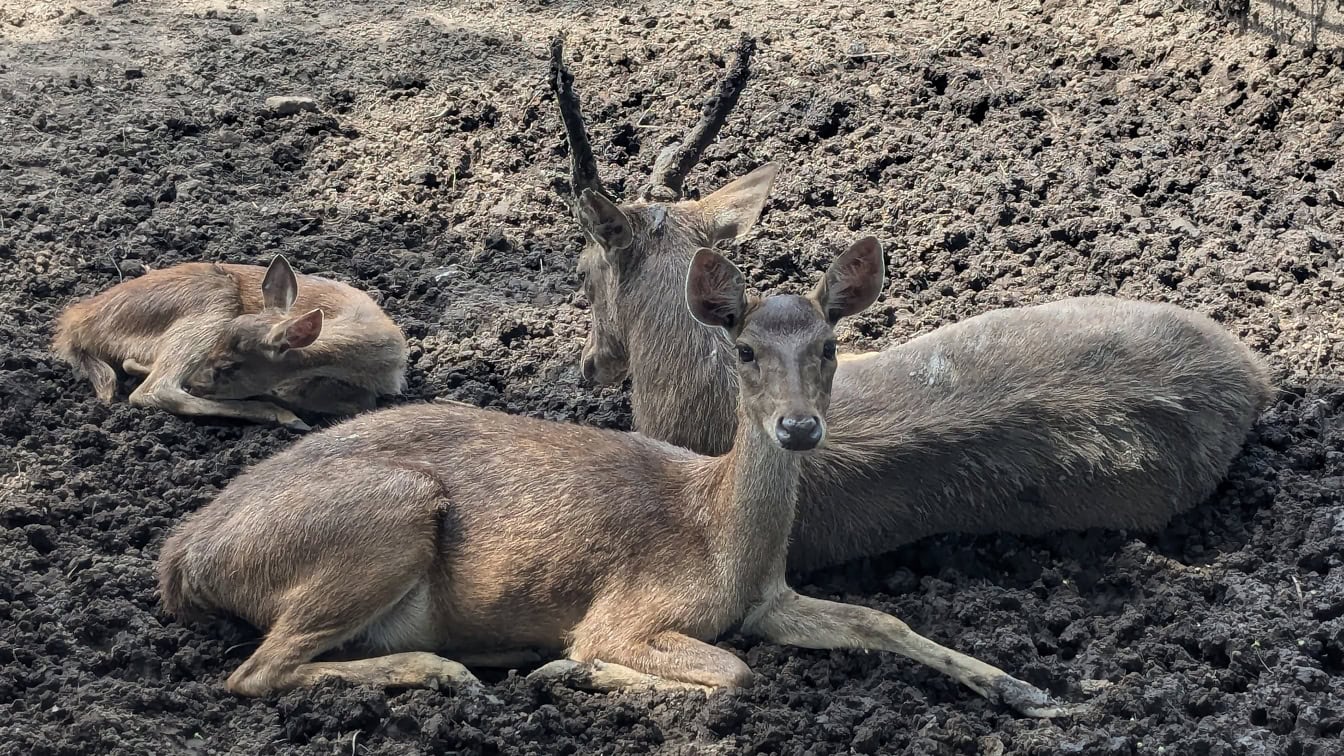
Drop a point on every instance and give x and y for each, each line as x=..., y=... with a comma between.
x=1007, y=153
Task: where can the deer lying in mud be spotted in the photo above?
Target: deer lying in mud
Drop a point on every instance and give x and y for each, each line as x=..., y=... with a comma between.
x=1085, y=412
x=448, y=527
x=223, y=340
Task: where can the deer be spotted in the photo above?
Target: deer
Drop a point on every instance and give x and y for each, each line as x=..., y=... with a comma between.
x=1085, y=412
x=444, y=528
x=236, y=341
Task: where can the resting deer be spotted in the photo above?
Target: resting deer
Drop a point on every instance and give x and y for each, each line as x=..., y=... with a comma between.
x=210, y=339
x=469, y=531
x=1085, y=412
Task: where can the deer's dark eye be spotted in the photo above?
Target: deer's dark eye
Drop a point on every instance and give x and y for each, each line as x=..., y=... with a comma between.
x=828, y=350
x=744, y=353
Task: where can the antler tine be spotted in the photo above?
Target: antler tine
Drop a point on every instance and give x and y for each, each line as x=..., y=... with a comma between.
x=677, y=160
x=582, y=166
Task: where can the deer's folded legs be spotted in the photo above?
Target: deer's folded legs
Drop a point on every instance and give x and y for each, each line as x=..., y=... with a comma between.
x=164, y=395
x=797, y=620
x=668, y=660
x=604, y=677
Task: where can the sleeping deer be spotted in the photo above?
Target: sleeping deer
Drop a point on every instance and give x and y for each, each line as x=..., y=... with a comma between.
x=236, y=341
x=1085, y=412
x=445, y=527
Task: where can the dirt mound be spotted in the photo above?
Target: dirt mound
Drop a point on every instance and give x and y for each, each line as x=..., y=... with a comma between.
x=1005, y=156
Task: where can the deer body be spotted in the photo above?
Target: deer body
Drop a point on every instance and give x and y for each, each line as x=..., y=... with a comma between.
x=447, y=527
x=1087, y=412
x=1080, y=413
x=226, y=333
x=1090, y=412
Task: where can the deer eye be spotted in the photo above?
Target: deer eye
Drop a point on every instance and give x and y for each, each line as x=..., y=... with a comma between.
x=828, y=350
x=745, y=353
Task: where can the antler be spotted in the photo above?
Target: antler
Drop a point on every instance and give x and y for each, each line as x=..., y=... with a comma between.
x=582, y=166
x=677, y=160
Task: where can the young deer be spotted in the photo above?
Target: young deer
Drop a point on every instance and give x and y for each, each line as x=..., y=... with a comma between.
x=1085, y=412
x=214, y=339
x=448, y=527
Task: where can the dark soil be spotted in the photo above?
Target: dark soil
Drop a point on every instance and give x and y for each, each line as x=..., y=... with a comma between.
x=1007, y=153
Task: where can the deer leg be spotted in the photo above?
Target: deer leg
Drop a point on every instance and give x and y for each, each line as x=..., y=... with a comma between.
x=797, y=620
x=282, y=663
x=666, y=661
x=162, y=389
x=604, y=677
x=325, y=396
x=131, y=366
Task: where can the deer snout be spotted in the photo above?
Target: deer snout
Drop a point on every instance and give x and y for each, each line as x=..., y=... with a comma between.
x=799, y=432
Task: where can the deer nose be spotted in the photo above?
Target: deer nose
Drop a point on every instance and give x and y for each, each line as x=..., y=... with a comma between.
x=798, y=432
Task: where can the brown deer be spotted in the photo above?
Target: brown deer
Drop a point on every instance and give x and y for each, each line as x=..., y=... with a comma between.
x=1080, y=413
x=223, y=340
x=445, y=527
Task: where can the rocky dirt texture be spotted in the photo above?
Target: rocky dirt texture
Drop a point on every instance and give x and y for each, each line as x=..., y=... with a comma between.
x=1007, y=153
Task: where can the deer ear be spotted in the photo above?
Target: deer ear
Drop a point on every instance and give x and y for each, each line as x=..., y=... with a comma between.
x=716, y=291
x=733, y=209
x=279, y=288
x=297, y=333
x=853, y=282
x=604, y=221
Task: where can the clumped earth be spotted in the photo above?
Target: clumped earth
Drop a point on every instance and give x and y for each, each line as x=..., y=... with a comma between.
x=1007, y=154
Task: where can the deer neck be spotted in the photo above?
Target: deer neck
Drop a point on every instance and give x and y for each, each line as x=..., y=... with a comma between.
x=676, y=364
x=754, y=498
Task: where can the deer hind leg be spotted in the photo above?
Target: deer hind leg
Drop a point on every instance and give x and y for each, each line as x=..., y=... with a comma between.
x=365, y=591
x=668, y=661
x=797, y=620
x=284, y=661
x=101, y=374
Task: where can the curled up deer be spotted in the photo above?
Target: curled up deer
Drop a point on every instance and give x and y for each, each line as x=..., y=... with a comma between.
x=1080, y=413
x=237, y=341
x=445, y=527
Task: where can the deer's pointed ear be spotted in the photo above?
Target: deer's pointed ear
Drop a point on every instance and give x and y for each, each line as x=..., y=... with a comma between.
x=604, y=222
x=853, y=282
x=716, y=291
x=279, y=288
x=734, y=209
x=297, y=333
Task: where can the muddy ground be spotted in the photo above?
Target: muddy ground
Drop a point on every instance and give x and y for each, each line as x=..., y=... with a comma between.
x=1007, y=153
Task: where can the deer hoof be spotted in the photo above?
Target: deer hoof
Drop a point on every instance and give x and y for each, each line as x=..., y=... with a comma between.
x=1026, y=698
x=293, y=423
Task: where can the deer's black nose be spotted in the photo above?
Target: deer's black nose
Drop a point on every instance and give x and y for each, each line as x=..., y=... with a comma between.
x=798, y=432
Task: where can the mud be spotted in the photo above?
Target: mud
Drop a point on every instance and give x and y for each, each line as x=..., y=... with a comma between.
x=1006, y=156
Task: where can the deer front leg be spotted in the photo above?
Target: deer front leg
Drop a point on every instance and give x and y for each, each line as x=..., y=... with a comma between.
x=666, y=661
x=131, y=366
x=175, y=400
x=798, y=620
x=162, y=389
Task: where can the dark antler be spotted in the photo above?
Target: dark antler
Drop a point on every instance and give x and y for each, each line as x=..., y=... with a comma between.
x=677, y=160
x=582, y=166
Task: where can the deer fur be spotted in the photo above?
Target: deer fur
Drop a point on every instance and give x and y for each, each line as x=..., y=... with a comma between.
x=1085, y=412
x=1079, y=413
x=452, y=528
x=223, y=340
